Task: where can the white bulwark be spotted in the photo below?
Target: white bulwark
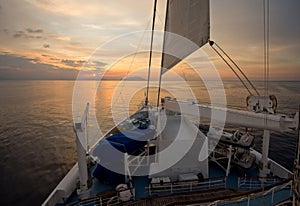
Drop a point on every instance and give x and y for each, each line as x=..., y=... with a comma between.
x=178, y=150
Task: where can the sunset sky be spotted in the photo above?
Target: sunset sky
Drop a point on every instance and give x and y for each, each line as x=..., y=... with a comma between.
x=52, y=39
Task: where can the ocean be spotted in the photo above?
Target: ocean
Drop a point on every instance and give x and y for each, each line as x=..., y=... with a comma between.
x=37, y=141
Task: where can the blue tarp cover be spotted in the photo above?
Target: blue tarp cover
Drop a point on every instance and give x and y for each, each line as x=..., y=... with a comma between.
x=107, y=176
x=131, y=139
x=128, y=141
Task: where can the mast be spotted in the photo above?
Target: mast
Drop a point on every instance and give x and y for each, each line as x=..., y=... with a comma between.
x=150, y=54
x=162, y=56
x=296, y=178
x=266, y=136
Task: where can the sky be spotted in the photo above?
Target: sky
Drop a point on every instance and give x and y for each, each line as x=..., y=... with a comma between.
x=54, y=39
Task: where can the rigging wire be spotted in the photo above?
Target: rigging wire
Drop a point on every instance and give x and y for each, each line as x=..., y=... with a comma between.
x=159, y=17
x=240, y=70
x=236, y=74
x=103, y=120
x=131, y=63
x=266, y=25
x=150, y=54
x=137, y=49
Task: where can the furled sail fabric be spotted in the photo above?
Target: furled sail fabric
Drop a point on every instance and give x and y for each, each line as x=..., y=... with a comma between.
x=189, y=19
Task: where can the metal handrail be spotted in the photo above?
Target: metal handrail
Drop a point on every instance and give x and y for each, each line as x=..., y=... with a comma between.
x=100, y=200
x=253, y=195
x=248, y=183
x=186, y=186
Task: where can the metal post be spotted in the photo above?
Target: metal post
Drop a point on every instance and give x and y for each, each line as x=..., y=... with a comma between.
x=272, y=196
x=296, y=176
x=265, y=152
x=81, y=142
x=249, y=200
x=229, y=160
x=126, y=167
x=148, y=150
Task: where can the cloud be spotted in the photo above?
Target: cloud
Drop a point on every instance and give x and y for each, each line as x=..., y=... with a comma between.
x=5, y=31
x=54, y=59
x=76, y=28
x=19, y=67
x=70, y=7
x=93, y=26
x=29, y=30
x=72, y=63
x=63, y=38
x=89, y=13
x=28, y=34
x=19, y=34
x=88, y=65
x=96, y=64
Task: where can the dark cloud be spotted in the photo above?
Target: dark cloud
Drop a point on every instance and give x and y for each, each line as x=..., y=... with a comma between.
x=29, y=30
x=96, y=63
x=54, y=59
x=5, y=31
x=28, y=34
x=18, y=67
x=79, y=63
x=23, y=68
x=46, y=46
x=72, y=63
x=18, y=34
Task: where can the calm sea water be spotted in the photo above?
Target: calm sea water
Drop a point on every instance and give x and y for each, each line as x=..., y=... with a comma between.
x=37, y=142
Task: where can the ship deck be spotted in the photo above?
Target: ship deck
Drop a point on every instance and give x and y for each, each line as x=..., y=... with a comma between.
x=240, y=187
x=231, y=189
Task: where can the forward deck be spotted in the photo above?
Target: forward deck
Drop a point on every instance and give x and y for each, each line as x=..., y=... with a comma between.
x=239, y=188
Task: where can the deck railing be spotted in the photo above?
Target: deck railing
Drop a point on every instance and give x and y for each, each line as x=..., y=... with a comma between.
x=133, y=163
x=186, y=186
x=251, y=183
x=138, y=160
x=112, y=201
x=268, y=195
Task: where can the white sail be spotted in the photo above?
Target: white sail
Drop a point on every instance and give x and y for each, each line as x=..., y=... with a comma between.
x=189, y=19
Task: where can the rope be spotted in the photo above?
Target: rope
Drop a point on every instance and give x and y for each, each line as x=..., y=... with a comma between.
x=137, y=49
x=241, y=71
x=236, y=74
x=130, y=66
x=114, y=100
x=159, y=17
x=266, y=25
x=266, y=44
